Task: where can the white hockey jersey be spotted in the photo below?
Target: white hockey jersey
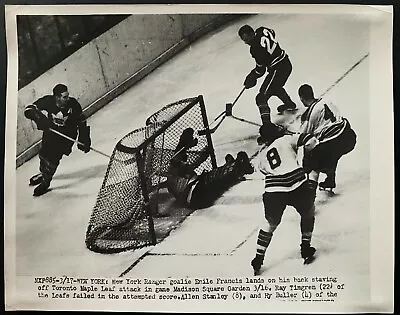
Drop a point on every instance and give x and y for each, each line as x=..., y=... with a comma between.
x=323, y=120
x=280, y=165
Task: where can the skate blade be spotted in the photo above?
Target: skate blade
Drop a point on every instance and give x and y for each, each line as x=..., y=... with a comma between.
x=329, y=190
x=42, y=193
x=309, y=260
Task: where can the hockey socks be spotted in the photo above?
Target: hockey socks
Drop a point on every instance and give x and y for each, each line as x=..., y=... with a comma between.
x=306, y=250
x=263, y=240
x=307, y=227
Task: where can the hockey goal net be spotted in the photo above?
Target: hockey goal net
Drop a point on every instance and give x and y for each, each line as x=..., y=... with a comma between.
x=122, y=218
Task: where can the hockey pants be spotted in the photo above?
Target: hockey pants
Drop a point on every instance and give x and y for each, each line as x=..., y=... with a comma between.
x=274, y=83
x=48, y=165
x=330, y=152
x=302, y=199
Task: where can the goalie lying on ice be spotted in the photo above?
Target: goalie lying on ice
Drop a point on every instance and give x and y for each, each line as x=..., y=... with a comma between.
x=200, y=191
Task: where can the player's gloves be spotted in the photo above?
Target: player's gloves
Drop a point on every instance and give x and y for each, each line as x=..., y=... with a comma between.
x=84, y=141
x=42, y=122
x=251, y=80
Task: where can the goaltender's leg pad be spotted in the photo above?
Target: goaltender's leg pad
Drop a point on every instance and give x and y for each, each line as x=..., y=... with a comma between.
x=214, y=183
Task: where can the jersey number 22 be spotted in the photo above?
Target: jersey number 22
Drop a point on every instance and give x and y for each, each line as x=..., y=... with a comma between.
x=268, y=41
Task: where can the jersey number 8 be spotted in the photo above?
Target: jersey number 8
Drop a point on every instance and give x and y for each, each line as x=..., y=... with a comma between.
x=268, y=41
x=273, y=158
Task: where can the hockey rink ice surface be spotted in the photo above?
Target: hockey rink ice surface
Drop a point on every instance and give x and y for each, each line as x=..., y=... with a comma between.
x=220, y=240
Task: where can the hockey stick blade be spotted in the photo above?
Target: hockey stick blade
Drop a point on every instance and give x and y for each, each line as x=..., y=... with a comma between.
x=203, y=132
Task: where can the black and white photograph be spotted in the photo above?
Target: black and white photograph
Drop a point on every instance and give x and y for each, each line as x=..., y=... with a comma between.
x=199, y=158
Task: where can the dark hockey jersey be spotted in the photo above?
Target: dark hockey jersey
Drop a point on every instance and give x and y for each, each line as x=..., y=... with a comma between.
x=65, y=120
x=265, y=49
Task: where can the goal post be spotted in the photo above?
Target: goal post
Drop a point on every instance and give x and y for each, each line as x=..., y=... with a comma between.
x=123, y=217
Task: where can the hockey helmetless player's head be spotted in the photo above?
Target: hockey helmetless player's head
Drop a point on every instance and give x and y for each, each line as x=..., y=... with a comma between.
x=60, y=92
x=186, y=141
x=269, y=133
x=187, y=138
x=306, y=94
x=247, y=34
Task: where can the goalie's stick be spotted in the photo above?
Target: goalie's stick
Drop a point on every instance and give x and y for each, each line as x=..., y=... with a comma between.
x=74, y=140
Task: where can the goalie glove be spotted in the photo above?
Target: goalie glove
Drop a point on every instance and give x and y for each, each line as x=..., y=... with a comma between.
x=42, y=122
x=84, y=141
x=251, y=80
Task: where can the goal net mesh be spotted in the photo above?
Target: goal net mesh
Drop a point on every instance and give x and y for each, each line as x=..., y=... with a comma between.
x=122, y=218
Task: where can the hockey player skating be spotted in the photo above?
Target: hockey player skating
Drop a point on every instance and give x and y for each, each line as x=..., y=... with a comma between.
x=335, y=135
x=200, y=191
x=269, y=56
x=286, y=184
x=63, y=114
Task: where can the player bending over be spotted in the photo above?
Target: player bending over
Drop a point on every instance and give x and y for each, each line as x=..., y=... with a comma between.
x=269, y=56
x=286, y=184
x=200, y=191
x=64, y=114
x=335, y=135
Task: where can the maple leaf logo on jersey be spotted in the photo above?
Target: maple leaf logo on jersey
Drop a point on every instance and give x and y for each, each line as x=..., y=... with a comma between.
x=60, y=119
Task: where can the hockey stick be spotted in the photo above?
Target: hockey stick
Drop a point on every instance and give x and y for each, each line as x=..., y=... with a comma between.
x=203, y=132
x=222, y=114
x=343, y=76
x=245, y=120
x=232, y=104
x=258, y=125
x=74, y=140
x=240, y=94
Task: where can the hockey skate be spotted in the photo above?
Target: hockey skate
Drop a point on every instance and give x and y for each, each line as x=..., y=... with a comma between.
x=42, y=188
x=328, y=184
x=229, y=159
x=243, y=164
x=256, y=263
x=36, y=179
x=307, y=253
